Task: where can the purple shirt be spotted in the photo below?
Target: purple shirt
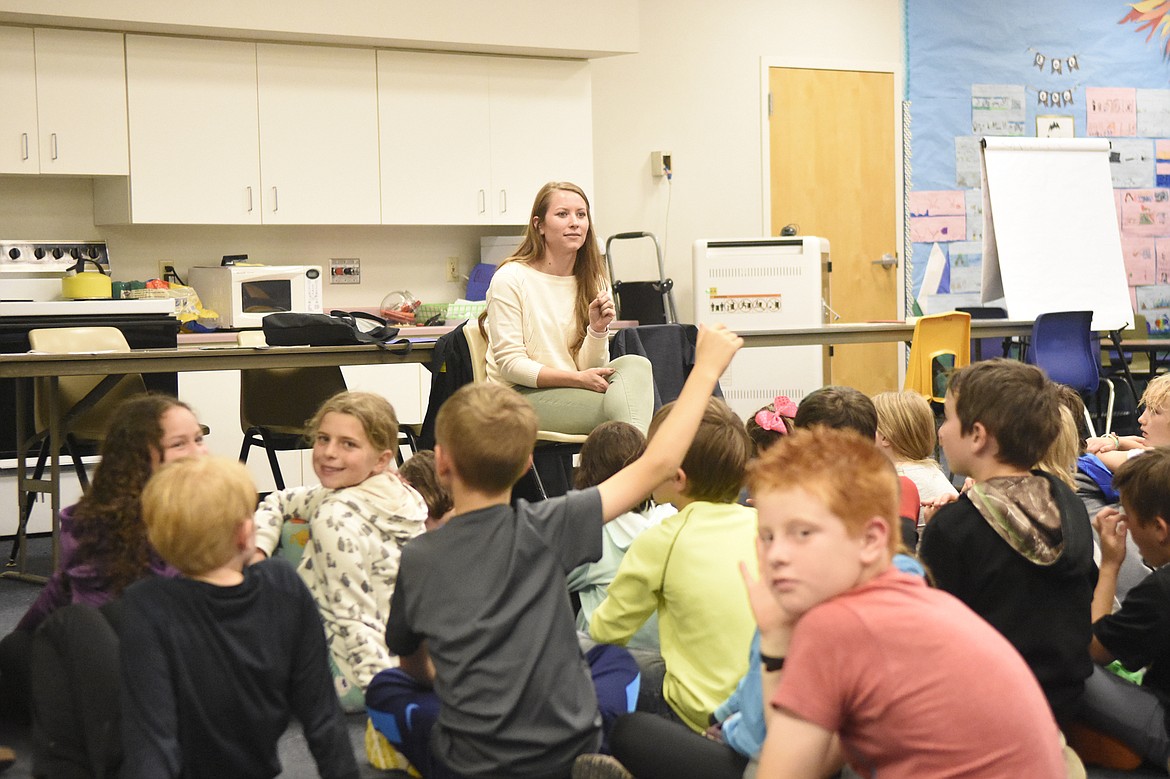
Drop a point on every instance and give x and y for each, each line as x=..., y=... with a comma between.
x=77, y=580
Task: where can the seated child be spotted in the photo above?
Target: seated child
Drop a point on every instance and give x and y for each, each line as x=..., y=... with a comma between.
x=838, y=407
x=1061, y=458
x=419, y=472
x=771, y=422
x=214, y=663
x=685, y=569
x=906, y=434
x=358, y=520
x=1139, y=633
x=480, y=610
x=845, y=677
x=1017, y=546
x=609, y=448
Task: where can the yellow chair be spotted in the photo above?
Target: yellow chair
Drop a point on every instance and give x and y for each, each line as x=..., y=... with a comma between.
x=84, y=407
x=83, y=419
x=276, y=404
x=942, y=344
x=547, y=441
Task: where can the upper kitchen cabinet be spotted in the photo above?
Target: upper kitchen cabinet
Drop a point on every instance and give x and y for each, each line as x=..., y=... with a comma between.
x=228, y=132
x=65, y=102
x=318, y=134
x=194, y=154
x=470, y=139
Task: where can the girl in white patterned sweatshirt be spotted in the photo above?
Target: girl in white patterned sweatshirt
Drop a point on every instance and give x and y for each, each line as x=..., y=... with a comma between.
x=346, y=534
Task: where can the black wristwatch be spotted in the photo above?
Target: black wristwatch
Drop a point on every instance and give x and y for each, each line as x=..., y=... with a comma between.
x=771, y=664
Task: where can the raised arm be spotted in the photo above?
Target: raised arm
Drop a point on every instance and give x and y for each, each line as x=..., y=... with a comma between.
x=664, y=453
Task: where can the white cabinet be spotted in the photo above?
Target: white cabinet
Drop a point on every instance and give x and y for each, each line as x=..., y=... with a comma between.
x=194, y=155
x=470, y=139
x=318, y=135
x=65, y=102
x=225, y=132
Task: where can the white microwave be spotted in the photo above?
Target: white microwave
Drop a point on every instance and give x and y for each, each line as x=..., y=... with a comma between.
x=243, y=295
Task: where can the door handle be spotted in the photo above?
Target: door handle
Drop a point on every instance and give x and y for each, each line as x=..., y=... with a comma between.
x=888, y=260
x=23, y=146
x=53, y=144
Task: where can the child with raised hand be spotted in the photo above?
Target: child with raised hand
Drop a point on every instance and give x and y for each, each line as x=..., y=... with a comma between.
x=358, y=520
x=215, y=662
x=609, y=448
x=906, y=434
x=480, y=611
x=684, y=569
x=842, y=676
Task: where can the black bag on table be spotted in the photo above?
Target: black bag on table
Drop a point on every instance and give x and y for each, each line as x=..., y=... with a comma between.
x=337, y=328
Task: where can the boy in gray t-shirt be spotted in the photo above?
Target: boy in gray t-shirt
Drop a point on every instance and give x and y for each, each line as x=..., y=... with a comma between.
x=481, y=613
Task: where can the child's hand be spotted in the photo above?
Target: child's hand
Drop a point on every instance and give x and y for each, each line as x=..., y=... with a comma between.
x=1110, y=526
x=1101, y=444
x=774, y=622
x=715, y=346
x=931, y=507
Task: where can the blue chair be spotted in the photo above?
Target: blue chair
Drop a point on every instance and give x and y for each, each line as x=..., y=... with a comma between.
x=1065, y=346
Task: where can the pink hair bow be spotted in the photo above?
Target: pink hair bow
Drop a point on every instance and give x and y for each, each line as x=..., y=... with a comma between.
x=774, y=420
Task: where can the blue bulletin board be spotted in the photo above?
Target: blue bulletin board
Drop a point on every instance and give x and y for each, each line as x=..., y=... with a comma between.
x=1047, y=68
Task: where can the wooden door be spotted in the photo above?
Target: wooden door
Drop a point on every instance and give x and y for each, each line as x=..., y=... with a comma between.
x=833, y=174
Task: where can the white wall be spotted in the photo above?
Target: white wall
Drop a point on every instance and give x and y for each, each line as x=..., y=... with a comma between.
x=694, y=89
x=596, y=28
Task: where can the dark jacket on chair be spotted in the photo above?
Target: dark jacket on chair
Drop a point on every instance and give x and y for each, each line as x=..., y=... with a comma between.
x=451, y=368
x=670, y=350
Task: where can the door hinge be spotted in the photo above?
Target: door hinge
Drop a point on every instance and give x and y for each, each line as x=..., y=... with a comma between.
x=769, y=105
x=830, y=351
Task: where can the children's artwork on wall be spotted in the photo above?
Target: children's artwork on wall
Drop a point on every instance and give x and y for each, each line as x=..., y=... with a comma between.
x=1153, y=113
x=1112, y=112
x=997, y=109
x=1140, y=257
x=1153, y=303
x=1131, y=163
x=1054, y=126
x=999, y=66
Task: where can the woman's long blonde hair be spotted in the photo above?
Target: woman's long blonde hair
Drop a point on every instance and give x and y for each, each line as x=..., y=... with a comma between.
x=589, y=268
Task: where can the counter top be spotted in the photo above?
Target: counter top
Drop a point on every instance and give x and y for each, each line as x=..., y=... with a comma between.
x=56, y=308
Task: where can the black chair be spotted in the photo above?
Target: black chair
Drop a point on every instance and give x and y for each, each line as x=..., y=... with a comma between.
x=991, y=347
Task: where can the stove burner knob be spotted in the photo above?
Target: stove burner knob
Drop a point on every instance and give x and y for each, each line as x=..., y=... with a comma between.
x=75, y=253
x=14, y=253
x=39, y=253
x=57, y=253
x=93, y=253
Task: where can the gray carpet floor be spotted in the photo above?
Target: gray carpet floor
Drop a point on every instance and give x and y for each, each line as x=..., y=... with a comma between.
x=16, y=596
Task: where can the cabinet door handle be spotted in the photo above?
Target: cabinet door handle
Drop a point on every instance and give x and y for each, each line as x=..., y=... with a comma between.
x=482, y=200
x=24, y=146
x=275, y=202
x=249, y=199
x=503, y=201
x=53, y=145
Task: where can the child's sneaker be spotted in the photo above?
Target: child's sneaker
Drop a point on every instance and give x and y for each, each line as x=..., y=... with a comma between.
x=599, y=767
x=381, y=754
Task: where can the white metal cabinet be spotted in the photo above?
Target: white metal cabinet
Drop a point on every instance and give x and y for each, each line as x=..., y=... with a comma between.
x=318, y=135
x=194, y=155
x=64, y=102
x=541, y=130
x=435, y=138
x=470, y=139
x=18, y=85
x=81, y=102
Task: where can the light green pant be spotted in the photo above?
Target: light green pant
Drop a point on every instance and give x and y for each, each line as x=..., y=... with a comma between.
x=630, y=398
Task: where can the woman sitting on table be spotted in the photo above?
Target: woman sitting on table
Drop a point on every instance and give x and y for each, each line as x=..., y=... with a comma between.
x=548, y=315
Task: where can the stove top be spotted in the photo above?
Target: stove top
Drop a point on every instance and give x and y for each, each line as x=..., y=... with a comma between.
x=61, y=308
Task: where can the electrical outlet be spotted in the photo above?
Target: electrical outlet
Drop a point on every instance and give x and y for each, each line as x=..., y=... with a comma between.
x=165, y=267
x=452, y=269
